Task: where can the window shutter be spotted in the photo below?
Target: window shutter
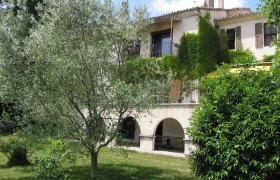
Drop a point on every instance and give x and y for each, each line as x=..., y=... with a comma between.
x=259, y=35
x=238, y=37
x=222, y=38
x=175, y=90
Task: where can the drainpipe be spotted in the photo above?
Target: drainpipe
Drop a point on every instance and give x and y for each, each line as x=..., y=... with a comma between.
x=171, y=35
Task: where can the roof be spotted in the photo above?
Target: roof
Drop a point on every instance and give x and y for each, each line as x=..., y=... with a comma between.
x=167, y=17
x=193, y=11
x=240, y=17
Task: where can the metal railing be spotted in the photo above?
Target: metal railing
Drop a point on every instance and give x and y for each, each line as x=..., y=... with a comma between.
x=169, y=143
x=158, y=50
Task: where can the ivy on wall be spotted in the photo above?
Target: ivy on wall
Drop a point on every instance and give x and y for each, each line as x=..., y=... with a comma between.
x=209, y=47
x=143, y=69
x=200, y=53
x=188, y=54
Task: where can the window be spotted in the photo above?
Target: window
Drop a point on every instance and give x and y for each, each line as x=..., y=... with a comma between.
x=270, y=32
x=161, y=44
x=231, y=38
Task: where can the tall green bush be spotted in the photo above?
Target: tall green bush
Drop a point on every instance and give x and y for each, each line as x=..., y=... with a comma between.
x=209, y=47
x=188, y=54
x=200, y=53
x=237, y=127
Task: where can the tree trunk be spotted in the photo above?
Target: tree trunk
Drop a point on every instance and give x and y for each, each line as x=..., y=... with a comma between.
x=94, y=165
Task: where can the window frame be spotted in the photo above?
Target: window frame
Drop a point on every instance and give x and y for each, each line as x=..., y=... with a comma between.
x=231, y=39
x=272, y=35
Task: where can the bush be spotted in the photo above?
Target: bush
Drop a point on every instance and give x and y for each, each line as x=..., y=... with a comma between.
x=143, y=69
x=237, y=127
x=188, y=54
x=10, y=114
x=200, y=53
x=209, y=47
x=242, y=56
x=170, y=63
x=268, y=58
x=49, y=165
x=15, y=149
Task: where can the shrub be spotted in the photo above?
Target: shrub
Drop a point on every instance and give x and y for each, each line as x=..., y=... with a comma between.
x=200, y=53
x=237, y=127
x=10, y=114
x=170, y=63
x=141, y=69
x=268, y=58
x=49, y=165
x=242, y=56
x=15, y=149
x=151, y=68
x=188, y=54
x=209, y=47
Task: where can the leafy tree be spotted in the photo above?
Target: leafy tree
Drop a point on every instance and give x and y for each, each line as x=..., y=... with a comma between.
x=14, y=65
x=16, y=6
x=271, y=10
x=236, y=127
x=78, y=79
x=16, y=20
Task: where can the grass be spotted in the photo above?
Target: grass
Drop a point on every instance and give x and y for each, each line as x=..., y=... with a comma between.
x=113, y=165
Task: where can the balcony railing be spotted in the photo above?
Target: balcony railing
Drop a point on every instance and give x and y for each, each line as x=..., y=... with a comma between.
x=169, y=143
x=158, y=50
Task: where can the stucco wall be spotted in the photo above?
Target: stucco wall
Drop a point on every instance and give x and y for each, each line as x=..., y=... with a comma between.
x=248, y=39
x=172, y=128
x=149, y=122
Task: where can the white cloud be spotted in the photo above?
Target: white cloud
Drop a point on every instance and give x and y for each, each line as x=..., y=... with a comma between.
x=166, y=6
x=234, y=3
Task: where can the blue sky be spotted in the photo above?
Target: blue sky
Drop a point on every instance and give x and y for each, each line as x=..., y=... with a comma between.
x=158, y=7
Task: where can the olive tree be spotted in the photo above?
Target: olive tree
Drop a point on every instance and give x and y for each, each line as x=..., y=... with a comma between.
x=14, y=64
x=78, y=55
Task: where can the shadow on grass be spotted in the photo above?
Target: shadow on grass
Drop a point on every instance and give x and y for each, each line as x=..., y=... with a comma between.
x=127, y=172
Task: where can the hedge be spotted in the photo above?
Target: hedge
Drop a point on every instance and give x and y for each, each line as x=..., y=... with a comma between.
x=237, y=126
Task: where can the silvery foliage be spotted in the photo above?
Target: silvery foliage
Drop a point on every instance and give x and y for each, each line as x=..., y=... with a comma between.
x=13, y=30
x=14, y=71
x=78, y=82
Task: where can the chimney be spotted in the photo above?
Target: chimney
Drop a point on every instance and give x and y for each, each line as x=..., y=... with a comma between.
x=221, y=4
x=210, y=3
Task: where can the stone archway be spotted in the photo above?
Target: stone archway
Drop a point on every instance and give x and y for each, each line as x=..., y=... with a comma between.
x=130, y=131
x=169, y=136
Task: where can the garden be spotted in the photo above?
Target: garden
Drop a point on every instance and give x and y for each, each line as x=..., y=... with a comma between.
x=67, y=83
x=113, y=164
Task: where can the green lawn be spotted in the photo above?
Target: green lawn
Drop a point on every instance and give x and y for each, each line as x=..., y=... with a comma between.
x=113, y=165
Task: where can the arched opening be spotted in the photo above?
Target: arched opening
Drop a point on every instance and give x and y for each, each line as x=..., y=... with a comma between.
x=130, y=131
x=169, y=136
